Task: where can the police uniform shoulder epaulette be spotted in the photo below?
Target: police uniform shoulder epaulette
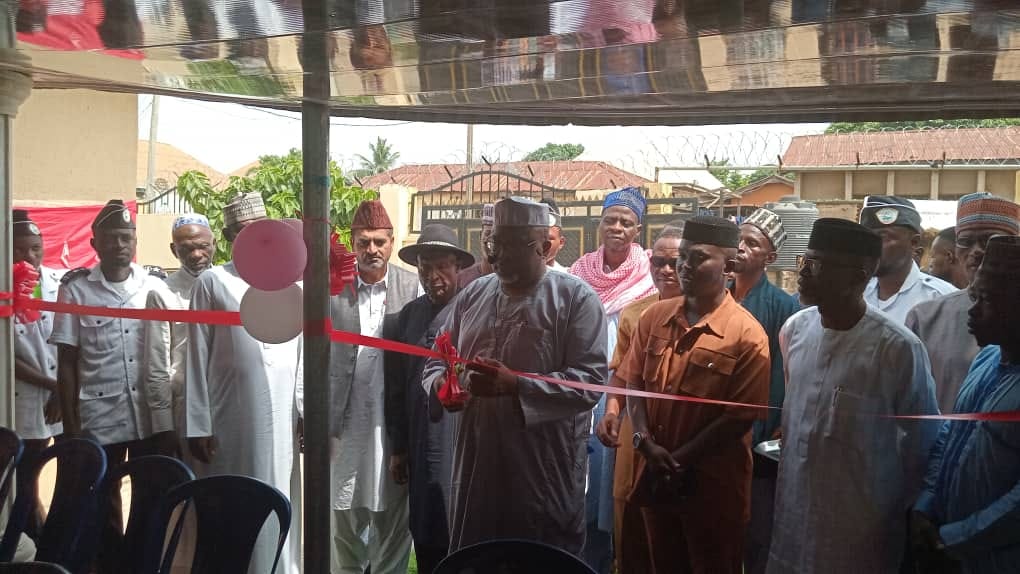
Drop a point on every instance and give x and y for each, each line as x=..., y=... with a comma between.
x=74, y=274
x=155, y=271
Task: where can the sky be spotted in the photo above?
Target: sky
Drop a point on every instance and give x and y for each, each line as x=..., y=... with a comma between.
x=229, y=136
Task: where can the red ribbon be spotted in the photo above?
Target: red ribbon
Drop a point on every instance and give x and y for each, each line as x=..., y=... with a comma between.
x=450, y=395
x=448, y=354
x=341, y=265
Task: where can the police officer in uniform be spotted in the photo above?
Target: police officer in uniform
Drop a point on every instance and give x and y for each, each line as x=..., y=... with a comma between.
x=898, y=283
x=100, y=376
x=36, y=404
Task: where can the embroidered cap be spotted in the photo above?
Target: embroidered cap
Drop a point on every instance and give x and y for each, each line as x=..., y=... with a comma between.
x=629, y=197
x=520, y=212
x=488, y=213
x=244, y=207
x=985, y=210
x=191, y=219
x=769, y=224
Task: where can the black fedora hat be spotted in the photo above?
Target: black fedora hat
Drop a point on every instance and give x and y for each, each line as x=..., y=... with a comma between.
x=435, y=237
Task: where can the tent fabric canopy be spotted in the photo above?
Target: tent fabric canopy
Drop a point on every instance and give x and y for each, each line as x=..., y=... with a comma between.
x=593, y=62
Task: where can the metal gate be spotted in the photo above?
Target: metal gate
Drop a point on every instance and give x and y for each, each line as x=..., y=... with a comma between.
x=580, y=219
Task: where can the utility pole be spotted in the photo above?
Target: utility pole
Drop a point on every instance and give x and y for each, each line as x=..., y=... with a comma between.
x=470, y=163
x=150, y=174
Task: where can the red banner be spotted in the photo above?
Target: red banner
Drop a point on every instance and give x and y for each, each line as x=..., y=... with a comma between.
x=67, y=233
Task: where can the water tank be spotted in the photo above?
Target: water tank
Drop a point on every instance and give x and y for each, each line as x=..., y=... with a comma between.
x=797, y=217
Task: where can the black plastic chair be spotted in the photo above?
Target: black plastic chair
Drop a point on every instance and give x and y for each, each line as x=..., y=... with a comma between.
x=511, y=557
x=81, y=464
x=32, y=568
x=229, y=514
x=152, y=477
x=11, y=449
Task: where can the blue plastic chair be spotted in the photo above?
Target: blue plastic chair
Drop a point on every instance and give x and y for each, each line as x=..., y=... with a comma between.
x=81, y=465
x=229, y=514
x=511, y=557
x=152, y=477
x=11, y=450
x=32, y=568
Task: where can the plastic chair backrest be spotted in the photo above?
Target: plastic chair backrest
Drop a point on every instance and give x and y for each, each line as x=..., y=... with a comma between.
x=32, y=568
x=152, y=477
x=512, y=557
x=229, y=514
x=81, y=464
x=11, y=449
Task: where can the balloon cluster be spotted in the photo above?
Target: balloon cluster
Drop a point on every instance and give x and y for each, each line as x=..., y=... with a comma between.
x=270, y=255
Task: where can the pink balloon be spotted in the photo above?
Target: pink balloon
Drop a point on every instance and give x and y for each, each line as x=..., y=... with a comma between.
x=296, y=224
x=270, y=255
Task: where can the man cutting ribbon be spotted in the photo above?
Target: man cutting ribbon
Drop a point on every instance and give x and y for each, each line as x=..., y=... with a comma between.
x=519, y=459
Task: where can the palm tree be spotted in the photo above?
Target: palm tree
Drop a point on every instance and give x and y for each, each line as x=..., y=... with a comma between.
x=382, y=157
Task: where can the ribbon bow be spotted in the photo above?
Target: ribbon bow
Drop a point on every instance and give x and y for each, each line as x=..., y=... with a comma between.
x=341, y=265
x=450, y=395
x=26, y=279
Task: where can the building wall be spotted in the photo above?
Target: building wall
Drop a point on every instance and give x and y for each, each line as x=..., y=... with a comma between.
x=154, y=240
x=953, y=184
x=768, y=193
x=914, y=184
x=821, y=185
x=75, y=146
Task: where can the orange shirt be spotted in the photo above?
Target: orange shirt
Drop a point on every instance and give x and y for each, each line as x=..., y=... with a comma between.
x=724, y=356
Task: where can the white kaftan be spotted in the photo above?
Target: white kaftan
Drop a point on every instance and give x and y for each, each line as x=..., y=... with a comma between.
x=31, y=345
x=243, y=393
x=848, y=472
x=519, y=461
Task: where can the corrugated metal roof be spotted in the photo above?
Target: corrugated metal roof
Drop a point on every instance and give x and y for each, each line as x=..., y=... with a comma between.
x=968, y=145
x=569, y=175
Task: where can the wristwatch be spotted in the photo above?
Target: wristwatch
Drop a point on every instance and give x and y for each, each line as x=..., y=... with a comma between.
x=638, y=438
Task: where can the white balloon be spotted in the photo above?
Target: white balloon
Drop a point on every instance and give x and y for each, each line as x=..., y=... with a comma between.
x=273, y=316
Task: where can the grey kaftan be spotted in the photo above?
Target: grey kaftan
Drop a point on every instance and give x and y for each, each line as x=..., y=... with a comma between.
x=520, y=461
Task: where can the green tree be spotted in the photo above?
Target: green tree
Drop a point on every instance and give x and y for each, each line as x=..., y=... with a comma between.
x=850, y=127
x=555, y=152
x=382, y=158
x=280, y=181
x=735, y=179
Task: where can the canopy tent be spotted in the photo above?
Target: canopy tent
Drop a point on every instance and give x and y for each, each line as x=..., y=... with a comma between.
x=595, y=62
x=549, y=62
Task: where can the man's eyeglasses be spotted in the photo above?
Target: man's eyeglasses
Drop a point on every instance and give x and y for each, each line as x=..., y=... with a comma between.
x=499, y=246
x=659, y=261
x=814, y=266
x=972, y=242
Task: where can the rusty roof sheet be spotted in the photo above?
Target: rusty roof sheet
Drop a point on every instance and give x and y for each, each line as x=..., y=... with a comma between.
x=967, y=145
x=567, y=175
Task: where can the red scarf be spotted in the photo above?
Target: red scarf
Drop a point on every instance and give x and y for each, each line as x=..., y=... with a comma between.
x=631, y=281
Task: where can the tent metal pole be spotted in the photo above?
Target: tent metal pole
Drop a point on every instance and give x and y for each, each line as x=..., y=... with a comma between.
x=7, y=40
x=315, y=151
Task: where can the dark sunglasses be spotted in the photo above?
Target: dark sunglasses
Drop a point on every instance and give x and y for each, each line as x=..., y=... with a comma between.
x=658, y=261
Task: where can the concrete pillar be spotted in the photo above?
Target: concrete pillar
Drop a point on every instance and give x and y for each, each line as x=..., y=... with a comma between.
x=981, y=180
x=848, y=185
x=800, y=177
x=1016, y=188
x=934, y=193
x=890, y=183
